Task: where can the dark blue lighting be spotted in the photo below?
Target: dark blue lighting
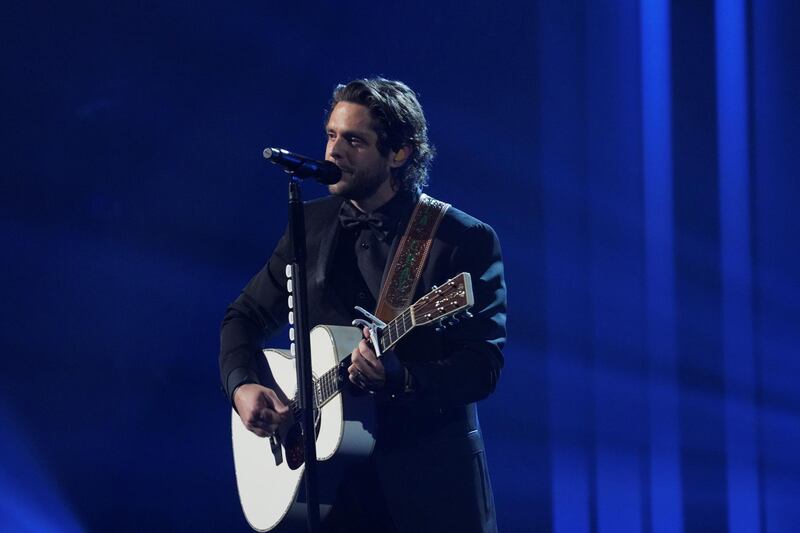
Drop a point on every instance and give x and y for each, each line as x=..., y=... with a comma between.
x=638, y=159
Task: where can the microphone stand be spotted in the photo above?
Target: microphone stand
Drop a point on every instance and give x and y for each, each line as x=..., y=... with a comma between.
x=299, y=306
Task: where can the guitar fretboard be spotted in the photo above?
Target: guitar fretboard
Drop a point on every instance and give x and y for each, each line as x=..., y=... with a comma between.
x=396, y=330
x=328, y=384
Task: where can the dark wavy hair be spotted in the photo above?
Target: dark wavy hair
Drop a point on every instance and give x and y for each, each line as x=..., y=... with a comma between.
x=398, y=120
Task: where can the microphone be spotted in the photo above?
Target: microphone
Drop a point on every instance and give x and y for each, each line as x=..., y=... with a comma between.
x=304, y=167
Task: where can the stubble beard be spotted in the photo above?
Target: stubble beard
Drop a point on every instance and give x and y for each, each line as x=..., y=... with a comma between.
x=359, y=186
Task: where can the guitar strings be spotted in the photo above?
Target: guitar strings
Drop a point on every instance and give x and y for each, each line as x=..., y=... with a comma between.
x=328, y=385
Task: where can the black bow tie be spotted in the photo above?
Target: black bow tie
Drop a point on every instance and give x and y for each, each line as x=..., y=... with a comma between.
x=353, y=219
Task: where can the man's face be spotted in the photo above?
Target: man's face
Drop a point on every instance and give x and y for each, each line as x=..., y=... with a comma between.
x=353, y=147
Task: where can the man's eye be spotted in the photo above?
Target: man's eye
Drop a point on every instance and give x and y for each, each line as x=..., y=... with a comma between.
x=355, y=140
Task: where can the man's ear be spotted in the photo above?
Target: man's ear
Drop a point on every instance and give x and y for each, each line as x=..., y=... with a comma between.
x=398, y=159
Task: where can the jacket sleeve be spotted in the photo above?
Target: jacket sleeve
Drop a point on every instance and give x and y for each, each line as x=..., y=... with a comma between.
x=259, y=312
x=471, y=351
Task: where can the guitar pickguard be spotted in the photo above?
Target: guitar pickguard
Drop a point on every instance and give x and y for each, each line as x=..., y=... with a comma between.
x=295, y=442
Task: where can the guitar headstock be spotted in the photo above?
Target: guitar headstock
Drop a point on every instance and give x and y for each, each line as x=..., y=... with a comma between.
x=451, y=297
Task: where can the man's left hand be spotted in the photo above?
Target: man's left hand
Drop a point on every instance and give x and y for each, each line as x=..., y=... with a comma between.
x=366, y=370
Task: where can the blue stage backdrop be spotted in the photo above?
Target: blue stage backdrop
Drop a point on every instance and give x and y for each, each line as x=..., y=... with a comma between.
x=640, y=161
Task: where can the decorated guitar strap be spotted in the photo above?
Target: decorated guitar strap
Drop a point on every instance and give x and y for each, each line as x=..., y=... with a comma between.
x=409, y=259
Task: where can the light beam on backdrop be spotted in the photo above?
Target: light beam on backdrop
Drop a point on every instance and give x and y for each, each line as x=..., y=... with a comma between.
x=737, y=320
x=665, y=477
x=29, y=499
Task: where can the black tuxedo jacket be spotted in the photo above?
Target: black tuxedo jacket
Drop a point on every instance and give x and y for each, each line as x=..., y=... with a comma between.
x=429, y=450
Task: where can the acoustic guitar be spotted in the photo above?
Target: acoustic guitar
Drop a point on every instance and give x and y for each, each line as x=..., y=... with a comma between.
x=269, y=471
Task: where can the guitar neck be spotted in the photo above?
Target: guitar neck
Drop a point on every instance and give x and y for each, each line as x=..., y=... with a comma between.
x=396, y=330
x=453, y=296
x=328, y=384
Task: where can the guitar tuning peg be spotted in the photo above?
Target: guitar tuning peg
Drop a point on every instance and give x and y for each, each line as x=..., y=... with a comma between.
x=467, y=314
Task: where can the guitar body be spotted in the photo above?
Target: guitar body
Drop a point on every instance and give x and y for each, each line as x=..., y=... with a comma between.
x=268, y=475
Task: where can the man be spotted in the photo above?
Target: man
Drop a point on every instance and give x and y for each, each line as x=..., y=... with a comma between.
x=428, y=471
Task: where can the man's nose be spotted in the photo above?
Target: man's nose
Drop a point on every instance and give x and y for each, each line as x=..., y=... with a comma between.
x=336, y=149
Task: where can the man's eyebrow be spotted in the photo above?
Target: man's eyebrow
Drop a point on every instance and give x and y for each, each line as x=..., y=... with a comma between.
x=361, y=134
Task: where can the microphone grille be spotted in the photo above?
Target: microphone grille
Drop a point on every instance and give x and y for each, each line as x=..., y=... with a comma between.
x=268, y=153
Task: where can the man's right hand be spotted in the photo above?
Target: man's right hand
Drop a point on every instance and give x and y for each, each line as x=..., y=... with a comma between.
x=260, y=409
